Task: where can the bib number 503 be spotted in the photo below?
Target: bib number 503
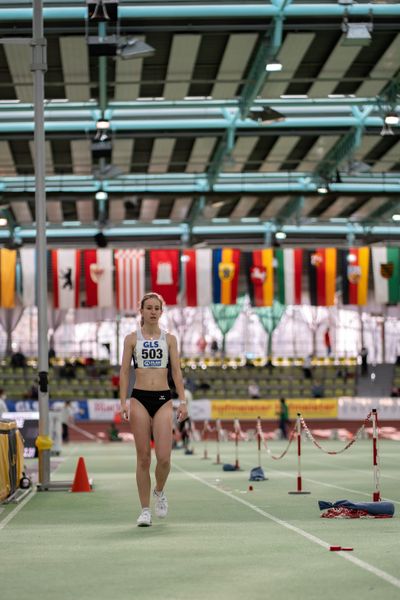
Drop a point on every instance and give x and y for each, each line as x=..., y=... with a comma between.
x=152, y=353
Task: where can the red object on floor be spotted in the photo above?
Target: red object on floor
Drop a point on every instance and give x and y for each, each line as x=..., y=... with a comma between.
x=250, y=488
x=335, y=548
x=81, y=480
x=152, y=445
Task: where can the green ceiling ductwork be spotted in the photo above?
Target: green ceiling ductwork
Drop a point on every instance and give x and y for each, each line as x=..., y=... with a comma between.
x=77, y=12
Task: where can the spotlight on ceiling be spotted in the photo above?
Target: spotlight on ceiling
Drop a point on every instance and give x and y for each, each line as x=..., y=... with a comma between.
x=392, y=118
x=396, y=217
x=280, y=235
x=273, y=65
x=356, y=34
x=101, y=195
x=3, y=221
x=102, y=124
x=101, y=240
x=266, y=114
x=323, y=188
x=133, y=48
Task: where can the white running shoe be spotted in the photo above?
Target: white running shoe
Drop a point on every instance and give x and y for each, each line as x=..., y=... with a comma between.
x=144, y=519
x=161, y=504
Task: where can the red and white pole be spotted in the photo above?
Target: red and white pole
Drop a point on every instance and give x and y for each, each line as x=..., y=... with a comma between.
x=236, y=427
x=259, y=436
x=205, y=439
x=299, y=482
x=218, y=432
x=376, y=496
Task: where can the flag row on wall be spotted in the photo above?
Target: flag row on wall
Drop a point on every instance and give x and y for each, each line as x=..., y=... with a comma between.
x=204, y=276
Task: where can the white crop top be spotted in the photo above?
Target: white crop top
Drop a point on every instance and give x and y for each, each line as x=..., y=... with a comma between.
x=151, y=354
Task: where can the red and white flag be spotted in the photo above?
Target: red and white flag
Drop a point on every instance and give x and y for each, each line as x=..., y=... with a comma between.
x=66, y=275
x=129, y=277
x=98, y=277
x=197, y=277
x=164, y=267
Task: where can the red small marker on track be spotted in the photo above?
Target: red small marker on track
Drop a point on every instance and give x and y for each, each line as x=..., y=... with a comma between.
x=335, y=548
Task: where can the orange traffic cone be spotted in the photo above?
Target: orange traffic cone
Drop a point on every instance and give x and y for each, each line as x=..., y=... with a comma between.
x=81, y=481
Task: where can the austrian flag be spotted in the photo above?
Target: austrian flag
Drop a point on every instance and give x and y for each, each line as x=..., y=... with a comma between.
x=197, y=277
x=98, y=277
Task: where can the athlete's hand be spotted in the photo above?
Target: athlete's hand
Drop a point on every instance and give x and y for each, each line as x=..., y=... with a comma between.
x=124, y=411
x=182, y=412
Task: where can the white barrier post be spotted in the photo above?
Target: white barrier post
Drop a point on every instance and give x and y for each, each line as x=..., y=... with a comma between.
x=218, y=432
x=299, y=482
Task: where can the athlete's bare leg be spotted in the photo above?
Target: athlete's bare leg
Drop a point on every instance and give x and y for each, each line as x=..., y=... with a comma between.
x=162, y=433
x=141, y=428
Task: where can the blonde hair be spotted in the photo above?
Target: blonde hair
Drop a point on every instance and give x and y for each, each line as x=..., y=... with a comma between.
x=147, y=297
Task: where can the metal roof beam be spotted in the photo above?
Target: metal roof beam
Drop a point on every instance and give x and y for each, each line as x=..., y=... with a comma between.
x=345, y=146
x=77, y=12
x=268, y=48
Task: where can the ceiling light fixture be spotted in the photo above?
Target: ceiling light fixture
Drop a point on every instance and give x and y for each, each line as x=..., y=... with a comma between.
x=273, y=66
x=323, y=188
x=356, y=34
x=280, y=235
x=102, y=124
x=133, y=48
x=101, y=195
x=396, y=217
x=392, y=118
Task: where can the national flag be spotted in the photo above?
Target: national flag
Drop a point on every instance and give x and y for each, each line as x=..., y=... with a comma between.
x=164, y=269
x=226, y=263
x=386, y=269
x=129, y=278
x=28, y=265
x=260, y=276
x=66, y=265
x=98, y=277
x=197, y=277
x=322, y=276
x=355, y=270
x=289, y=274
x=8, y=261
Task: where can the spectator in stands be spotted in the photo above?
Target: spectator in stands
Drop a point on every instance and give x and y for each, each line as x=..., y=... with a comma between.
x=317, y=389
x=3, y=405
x=327, y=342
x=115, y=384
x=201, y=344
x=343, y=373
x=33, y=392
x=307, y=366
x=283, y=418
x=67, y=416
x=253, y=390
x=68, y=371
x=214, y=347
x=364, y=361
x=52, y=355
x=18, y=360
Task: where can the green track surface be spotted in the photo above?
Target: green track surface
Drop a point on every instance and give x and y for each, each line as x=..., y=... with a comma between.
x=213, y=544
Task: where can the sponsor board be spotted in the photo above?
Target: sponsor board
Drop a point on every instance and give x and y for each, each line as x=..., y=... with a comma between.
x=324, y=408
x=357, y=408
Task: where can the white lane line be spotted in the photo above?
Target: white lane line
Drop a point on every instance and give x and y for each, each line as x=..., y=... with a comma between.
x=16, y=510
x=312, y=538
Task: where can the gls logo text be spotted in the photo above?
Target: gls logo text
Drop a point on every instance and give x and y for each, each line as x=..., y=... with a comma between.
x=153, y=344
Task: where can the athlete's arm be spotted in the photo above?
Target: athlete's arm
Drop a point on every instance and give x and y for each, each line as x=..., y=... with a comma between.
x=129, y=344
x=177, y=376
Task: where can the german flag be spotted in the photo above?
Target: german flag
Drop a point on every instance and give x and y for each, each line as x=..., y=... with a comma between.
x=260, y=276
x=225, y=275
x=322, y=276
x=355, y=270
x=8, y=261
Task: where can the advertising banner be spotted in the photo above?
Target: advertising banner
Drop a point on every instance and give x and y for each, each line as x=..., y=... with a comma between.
x=324, y=408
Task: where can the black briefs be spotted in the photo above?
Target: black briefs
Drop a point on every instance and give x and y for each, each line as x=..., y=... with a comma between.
x=151, y=400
